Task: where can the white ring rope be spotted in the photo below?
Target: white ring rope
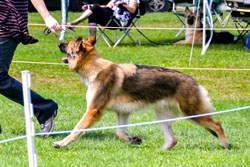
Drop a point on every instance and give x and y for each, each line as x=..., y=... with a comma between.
x=12, y=139
x=153, y=28
x=132, y=125
x=177, y=68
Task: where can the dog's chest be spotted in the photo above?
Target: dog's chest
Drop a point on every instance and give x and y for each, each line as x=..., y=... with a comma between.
x=86, y=80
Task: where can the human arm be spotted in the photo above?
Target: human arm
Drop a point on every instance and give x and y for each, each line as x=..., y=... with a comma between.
x=50, y=22
x=110, y=4
x=131, y=7
x=87, y=6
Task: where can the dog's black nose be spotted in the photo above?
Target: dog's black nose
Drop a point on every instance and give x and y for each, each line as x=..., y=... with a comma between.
x=62, y=47
x=190, y=21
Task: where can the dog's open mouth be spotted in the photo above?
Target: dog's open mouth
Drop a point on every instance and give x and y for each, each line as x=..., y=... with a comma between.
x=65, y=60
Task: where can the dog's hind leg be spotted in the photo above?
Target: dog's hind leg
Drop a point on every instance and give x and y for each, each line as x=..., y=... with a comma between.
x=170, y=140
x=122, y=133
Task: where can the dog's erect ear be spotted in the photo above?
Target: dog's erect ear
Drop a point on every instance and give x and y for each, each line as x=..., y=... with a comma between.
x=199, y=11
x=187, y=10
x=79, y=39
x=79, y=44
x=92, y=40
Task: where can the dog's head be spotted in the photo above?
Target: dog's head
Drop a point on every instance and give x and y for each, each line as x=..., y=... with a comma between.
x=190, y=18
x=77, y=50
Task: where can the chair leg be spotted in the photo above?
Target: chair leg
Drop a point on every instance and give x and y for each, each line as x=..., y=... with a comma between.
x=181, y=31
x=222, y=21
x=114, y=43
x=120, y=40
x=243, y=32
x=104, y=36
x=183, y=28
x=126, y=32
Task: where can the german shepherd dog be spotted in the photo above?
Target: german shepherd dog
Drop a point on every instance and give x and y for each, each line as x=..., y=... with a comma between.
x=217, y=38
x=126, y=88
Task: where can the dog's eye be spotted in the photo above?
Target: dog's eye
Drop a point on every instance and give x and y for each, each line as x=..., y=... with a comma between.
x=72, y=54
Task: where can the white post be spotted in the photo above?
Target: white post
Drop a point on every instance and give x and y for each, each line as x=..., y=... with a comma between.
x=204, y=27
x=64, y=10
x=28, y=110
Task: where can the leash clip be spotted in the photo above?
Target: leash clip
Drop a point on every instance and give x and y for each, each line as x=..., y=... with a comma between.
x=46, y=31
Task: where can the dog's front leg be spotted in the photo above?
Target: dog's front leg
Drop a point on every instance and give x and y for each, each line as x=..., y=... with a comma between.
x=183, y=42
x=93, y=114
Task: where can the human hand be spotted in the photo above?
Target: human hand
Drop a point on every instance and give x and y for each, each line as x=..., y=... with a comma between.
x=52, y=24
x=69, y=26
x=84, y=7
x=118, y=3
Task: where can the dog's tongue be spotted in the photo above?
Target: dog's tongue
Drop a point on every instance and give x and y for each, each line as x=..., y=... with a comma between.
x=65, y=60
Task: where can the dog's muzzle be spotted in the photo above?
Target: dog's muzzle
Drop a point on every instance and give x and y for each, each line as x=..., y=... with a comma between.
x=62, y=47
x=190, y=21
x=65, y=60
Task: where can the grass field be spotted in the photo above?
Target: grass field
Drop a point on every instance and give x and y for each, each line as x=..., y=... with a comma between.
x=196, y=147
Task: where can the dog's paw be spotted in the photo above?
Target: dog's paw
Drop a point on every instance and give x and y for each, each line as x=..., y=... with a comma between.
x=135, y=140
x=228, y=146
x=57, y=144
x=169, y=145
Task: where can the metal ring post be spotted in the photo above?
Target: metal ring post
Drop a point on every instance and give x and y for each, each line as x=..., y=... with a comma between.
x=28, y=110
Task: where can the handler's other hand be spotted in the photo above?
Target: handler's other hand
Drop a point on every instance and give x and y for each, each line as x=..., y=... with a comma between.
x=84, y=7
x=69, y=26
x=118, y=3
x=53, y=25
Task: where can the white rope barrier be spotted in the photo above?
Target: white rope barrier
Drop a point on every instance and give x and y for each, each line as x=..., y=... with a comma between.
x=133, y=125
x=12, y=139
x=155, y=28
x=148, y=123
x=43, y=63
x=177, y=68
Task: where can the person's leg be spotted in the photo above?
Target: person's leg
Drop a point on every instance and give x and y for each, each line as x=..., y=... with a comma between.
x=12, y=89
x=92, y=29
x=99, y=16
x=83, y=17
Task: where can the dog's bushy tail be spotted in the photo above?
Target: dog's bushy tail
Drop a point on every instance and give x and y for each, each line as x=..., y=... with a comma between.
x=205, y=103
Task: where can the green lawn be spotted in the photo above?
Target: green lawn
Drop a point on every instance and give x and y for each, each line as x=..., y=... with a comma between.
x=196, y=147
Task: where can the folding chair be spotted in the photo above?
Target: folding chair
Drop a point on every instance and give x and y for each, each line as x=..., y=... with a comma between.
x=126, y=29
x=241, y=18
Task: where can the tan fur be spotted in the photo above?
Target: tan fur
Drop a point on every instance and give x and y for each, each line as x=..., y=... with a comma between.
x=127, y=88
